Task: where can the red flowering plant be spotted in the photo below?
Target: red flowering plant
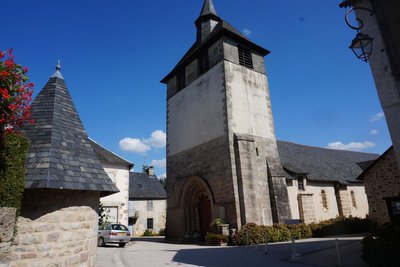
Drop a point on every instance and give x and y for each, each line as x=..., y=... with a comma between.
x=15, y=94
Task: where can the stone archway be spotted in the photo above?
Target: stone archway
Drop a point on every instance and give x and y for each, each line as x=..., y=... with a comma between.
x=197, y=202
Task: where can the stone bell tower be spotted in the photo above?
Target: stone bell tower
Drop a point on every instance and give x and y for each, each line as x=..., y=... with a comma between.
x=222, y=158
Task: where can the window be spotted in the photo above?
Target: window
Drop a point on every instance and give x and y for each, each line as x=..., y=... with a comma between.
x=181, y=80
x=393, y=206
x=300, y=183
x=324, y=200
x=149, y=205
x=150, y=222
x=139, y=186
x=245, y=57
x=203, y=63
x=353, y=199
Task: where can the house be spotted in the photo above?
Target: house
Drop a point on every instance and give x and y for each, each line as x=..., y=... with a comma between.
x=322, y=183
x=147, y=203
x=117, y=168
x=64, y=182
x=382, y=184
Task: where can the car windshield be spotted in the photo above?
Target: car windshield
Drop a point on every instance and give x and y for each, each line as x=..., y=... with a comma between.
x=119, y=227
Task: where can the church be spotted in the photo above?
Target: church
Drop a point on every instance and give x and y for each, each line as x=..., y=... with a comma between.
x=223, y=158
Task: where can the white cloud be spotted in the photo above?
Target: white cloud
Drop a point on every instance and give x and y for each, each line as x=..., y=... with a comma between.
x=162, y=176
x=161, y=163
x=133, y=145
x=246, y=32
x=356, y=146
x=376, y=117
x=374, y=132
x=158, y=139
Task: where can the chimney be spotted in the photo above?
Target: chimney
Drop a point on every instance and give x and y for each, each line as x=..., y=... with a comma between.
x=150, y=171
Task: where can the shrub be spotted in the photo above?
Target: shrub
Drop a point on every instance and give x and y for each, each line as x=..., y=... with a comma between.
x=12, y=173
x=384, y=248
x=215, y=224
x=149, y=232
x=161, y=232
x=216, y=239
x=339, y=226
x=300, y=231
x=252, y=234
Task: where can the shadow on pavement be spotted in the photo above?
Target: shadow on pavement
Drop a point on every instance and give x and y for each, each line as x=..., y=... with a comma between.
x=313, y=253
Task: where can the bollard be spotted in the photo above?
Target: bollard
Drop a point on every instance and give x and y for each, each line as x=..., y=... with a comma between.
x=266, y=245
x=247, y=237
x=294, y=254
x=338, y=253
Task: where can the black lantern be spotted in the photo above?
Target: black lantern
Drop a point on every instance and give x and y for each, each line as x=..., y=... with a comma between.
x=362, y=46
x=362, y=43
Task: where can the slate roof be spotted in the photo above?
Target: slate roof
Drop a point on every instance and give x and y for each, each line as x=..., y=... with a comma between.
x=107, y=157
x=222, y=28
x=60, y=154
x=322, y=164
x=143, y=186
x=208, y=8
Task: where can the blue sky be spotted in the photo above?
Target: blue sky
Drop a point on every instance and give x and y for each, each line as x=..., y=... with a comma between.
x=114, y=53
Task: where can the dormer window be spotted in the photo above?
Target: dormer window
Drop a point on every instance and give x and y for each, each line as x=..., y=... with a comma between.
x=203, y=63
x=245, y=57
x=181, y=80
x=300, y=183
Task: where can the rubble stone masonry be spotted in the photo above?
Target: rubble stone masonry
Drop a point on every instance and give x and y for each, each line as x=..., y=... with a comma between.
x=55, y=229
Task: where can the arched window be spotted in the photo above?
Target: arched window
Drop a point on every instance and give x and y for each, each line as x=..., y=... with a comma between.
x=353, y=199
x=324, y=199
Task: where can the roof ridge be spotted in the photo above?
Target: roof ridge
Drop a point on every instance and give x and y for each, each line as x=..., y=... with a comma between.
x=326, y=148
x=110, y=151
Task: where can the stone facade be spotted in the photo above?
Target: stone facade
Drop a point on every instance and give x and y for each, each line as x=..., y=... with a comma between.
x=382, y=180
x=142, y=210
x=117, y=204
x=308, y=204
x=54, y=229
x=222, y=158
x=7, y=225
x=383, y=60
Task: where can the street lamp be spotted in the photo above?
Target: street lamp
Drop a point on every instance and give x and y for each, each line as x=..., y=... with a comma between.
x=361, y=45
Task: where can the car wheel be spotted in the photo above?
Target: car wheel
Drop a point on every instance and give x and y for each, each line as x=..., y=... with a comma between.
x=100, y=242
x=121, y=245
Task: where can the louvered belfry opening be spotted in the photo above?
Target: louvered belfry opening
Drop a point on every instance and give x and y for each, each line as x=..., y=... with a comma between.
x=245, y=57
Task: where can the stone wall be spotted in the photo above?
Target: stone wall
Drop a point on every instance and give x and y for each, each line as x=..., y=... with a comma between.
x=7, y=225
x=157, y=213
x=388, y=87
x=382, y=180
x=119, y=201
x=56, y=228
x=306, y=208
x=210, y=161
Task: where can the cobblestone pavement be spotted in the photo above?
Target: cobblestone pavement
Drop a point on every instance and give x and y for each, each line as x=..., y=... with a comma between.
x=156, y=252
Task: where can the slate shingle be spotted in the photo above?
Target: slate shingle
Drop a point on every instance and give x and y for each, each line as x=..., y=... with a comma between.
x=322, y=164
x=143, y=186
x=60, y=151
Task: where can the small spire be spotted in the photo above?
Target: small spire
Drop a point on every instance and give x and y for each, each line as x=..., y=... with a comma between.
x=58, y=74
x=208, y=8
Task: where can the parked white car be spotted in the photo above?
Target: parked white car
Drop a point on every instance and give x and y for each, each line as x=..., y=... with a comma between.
x=113, y=233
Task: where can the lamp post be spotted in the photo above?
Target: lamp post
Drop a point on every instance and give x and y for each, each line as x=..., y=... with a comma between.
x=361, y=45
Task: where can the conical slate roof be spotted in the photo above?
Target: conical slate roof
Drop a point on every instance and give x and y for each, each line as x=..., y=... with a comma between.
x=60, y=155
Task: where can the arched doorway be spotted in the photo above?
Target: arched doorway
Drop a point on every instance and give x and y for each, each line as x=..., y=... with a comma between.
x=197, y=202
x=204, y=209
